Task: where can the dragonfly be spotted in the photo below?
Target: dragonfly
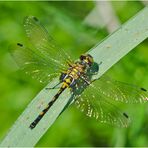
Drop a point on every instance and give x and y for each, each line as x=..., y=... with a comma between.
x=95, y=97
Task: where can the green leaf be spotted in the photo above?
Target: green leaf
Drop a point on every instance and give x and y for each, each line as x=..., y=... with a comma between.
x=109, y=51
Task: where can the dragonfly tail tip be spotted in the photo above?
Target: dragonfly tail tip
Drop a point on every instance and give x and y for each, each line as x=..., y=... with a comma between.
x=32, y=126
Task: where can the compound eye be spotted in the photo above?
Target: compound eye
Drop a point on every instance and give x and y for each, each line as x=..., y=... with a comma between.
x=82, y=57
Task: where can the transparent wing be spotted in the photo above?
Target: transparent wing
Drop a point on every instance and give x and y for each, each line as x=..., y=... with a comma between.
x=46, y=60
x=120, y=91
x=44, y=43
x=96, y=105
x=34, y=64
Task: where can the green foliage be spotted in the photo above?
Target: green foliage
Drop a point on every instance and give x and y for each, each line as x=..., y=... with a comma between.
x=64, y=21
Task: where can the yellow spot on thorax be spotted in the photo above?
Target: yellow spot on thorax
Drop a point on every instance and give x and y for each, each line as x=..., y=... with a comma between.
x=73, y=73
x=65, y=85
x=68, y=80
x=75, y=70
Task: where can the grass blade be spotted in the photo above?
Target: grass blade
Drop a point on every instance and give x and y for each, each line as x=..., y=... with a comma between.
x=109, y=51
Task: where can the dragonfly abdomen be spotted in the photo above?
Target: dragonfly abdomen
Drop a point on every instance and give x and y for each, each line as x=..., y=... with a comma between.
x=40, y=116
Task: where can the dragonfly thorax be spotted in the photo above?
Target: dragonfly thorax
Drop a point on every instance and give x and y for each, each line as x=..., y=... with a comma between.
x=73, y=73
x=76, y=70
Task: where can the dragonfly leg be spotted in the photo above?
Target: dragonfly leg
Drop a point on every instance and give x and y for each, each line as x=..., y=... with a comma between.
x=54, y=87
x=83, y=77
x=100, y=63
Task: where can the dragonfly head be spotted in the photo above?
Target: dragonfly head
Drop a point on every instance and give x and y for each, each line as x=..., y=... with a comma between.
x=86, y=59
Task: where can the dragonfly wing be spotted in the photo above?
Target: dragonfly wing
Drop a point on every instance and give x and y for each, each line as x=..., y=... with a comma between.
x=120, y=91
x=33, y=63
x=44, y=43
x=96, y=105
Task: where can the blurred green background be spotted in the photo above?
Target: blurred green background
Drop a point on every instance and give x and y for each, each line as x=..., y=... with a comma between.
x=76, y=26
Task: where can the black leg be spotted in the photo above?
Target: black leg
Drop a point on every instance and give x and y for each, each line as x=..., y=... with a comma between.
x=55, y=87
x=84, y=78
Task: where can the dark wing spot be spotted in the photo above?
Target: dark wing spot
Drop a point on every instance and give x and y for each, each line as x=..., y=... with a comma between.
x=35, y=18
x=19, y=44
x=143, y=89
x=125, y=115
